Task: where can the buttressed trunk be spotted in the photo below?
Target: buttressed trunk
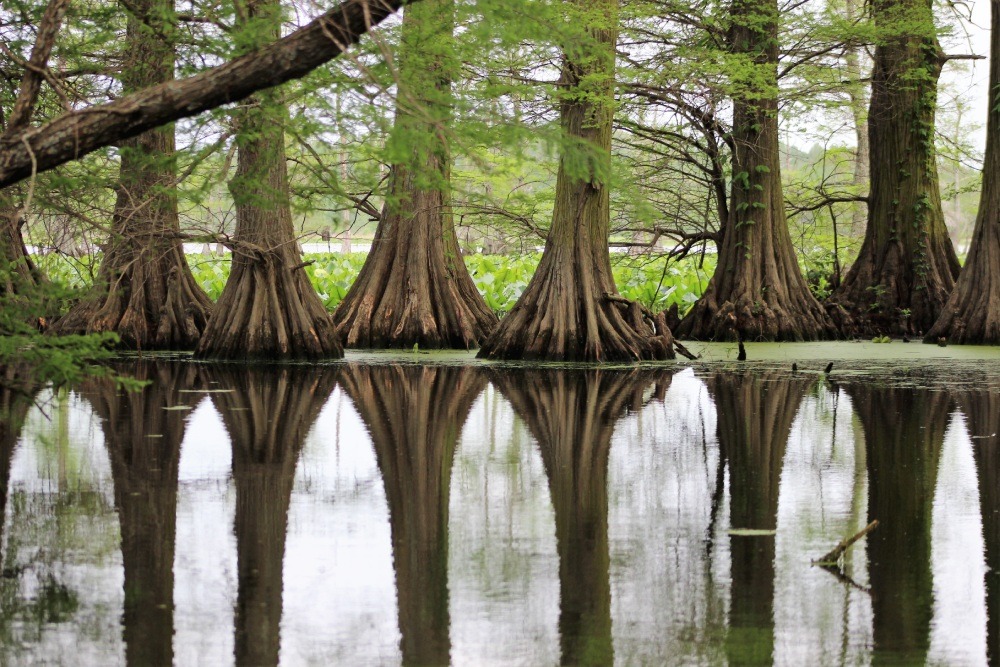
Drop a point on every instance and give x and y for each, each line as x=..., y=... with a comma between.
x=145, y=474
x=415, y=415
x=268, y=309
x=755, y=414
x=414, y=287
x=145, y=291
x=571, y=309
x=267, y=417
x=972, y=313
x=572, y=416
x=907, y=266
x=758, y=291
x=904, y=431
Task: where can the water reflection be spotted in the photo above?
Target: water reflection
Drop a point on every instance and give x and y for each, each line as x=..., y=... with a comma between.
x=755, y=413
x=143, y=433
x=16, y=396
x=572, y=414
x=267, y=413
x=904, y=431
x=414, y=415
x=982, y=418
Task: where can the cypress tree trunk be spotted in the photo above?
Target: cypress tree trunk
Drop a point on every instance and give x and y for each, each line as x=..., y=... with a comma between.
x=755, y=414
x=572, y=415
x=856, y=92
x=972, y=313
x=904, y=431
x=145, y=291
x=267, y=419
x=571, y=309
x=758, y=291
x=268, y=309
x=145, y=474
x=414, y=287
x=907, y=266
x=415, y=415
x=19, y=273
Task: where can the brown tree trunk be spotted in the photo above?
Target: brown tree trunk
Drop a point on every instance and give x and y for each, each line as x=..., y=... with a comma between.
x=268, y=309
x=414, y=287
x=18, y=273
x=904, y=431
x=758, y=291
x=981, y=408
x=907, y=266
x=571, y=309
x=972, y=313
x=145, y=291
x=572, y=415
x=755, y=415
x=267, y=417
x=415, y=415
x=145, y=474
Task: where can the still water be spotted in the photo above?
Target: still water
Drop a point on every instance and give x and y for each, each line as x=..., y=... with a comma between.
x=376, y=512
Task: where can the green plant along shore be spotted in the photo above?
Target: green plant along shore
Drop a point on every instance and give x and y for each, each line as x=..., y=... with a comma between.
x=652, y=281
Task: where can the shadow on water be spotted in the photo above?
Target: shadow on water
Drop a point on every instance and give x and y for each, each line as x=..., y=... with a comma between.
x=267, y=415
x=572, y=415
x=904, y=430
x=414, y=415
x=143, y=438
x=755, y=414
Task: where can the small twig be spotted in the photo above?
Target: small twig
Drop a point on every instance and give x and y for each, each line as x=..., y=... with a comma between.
x=301, y=265
x=834, y=555
x=684, y=352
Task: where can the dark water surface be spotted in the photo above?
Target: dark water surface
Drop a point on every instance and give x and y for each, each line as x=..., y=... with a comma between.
x=381, y=511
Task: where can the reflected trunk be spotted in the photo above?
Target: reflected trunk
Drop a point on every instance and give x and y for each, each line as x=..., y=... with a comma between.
x=755, y=415
x=17, y=393
x=415, y=415
x=572, y=415
x=267, y=415
x=904, y=430
x=982, y=419
x=143, y=439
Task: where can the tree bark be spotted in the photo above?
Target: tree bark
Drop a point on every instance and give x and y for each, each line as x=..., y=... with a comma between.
x=268, y=309
x=572, y=415
x=972, y=313
x=571, y=309
x=415, y=415
x=77, y=133
x=758, y=291
x=755, y=415
x=904, y=432
x=267, y=417
x=145, y=291
x=145, y=474
x=414, y=287
x=907, y=266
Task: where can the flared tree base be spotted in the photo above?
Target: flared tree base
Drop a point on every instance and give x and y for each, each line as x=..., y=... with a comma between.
x=269, y=311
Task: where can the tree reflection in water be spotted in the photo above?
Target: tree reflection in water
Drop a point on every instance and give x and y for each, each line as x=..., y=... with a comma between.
x=904, y=430
x=143, y=436
x=268, y=414
x=415, y=415
x=17, y=395
x=755, y=413
x=572, y=415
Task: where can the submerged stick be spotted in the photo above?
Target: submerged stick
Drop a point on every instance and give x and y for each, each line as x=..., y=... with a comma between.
x=683, y=351
x=834, y=555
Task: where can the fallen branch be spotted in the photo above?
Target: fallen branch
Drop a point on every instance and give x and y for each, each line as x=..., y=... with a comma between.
x=834, y=555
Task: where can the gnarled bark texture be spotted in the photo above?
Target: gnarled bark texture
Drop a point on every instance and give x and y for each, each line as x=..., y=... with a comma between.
x=572, y=415
x=755, y=414
x=267, y=417
x=904, y=430
x=571, y=309
x=268, y=309
x=972, y=313
x=415, y=415
x=414, y=287
x=145, y=474
x=907, y=266
x=145, y=291
x=758, y=291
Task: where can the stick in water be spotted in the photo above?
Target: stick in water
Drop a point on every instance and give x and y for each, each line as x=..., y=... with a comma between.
x=838, y=551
